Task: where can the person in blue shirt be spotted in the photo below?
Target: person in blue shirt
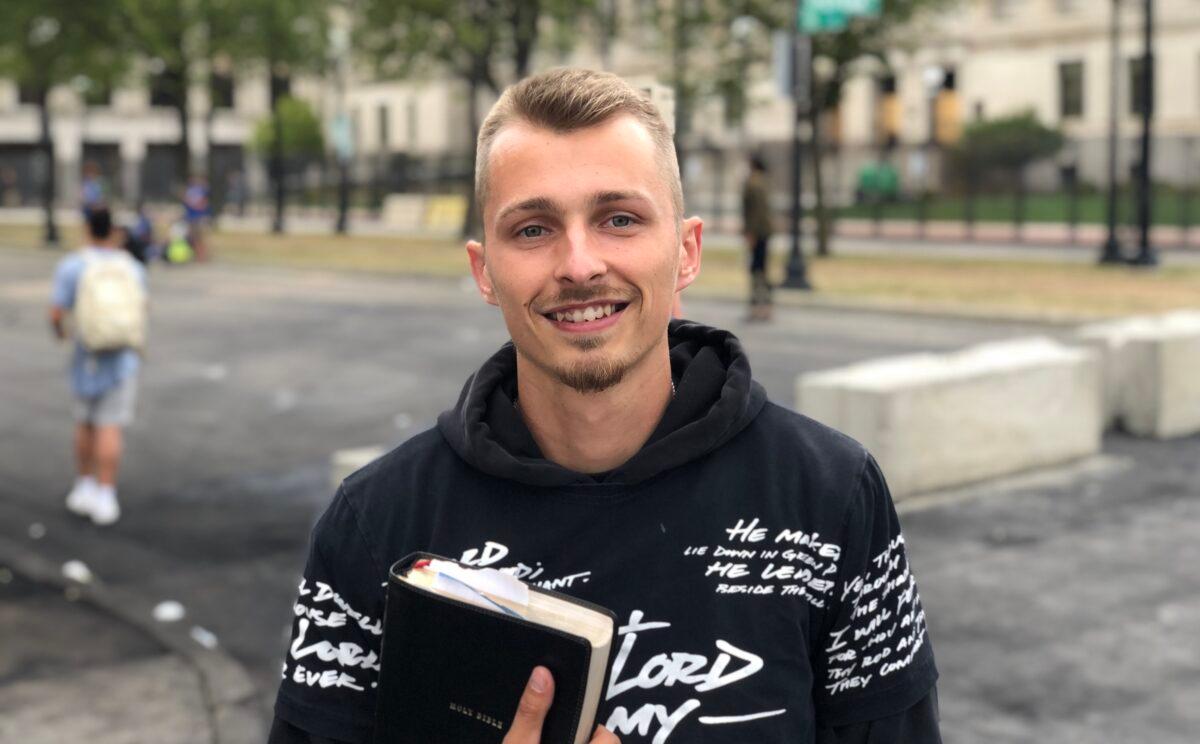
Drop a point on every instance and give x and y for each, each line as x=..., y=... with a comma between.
x=197, y=211
x=104, y=384
x=92, y=192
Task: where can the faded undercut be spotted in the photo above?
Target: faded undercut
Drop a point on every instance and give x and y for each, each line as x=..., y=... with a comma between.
x=568, y=99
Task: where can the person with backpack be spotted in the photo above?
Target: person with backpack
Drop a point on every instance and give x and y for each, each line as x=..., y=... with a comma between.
x=101, y=289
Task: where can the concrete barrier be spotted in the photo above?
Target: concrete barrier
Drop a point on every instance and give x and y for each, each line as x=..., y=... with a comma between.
x=404, y=211
x=1151, y=372
x=939, y=420
x=344, y=462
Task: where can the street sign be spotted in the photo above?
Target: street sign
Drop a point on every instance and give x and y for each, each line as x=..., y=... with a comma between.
x=834, y=15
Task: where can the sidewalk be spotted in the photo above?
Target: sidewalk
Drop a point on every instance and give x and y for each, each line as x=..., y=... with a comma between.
x=85, y=662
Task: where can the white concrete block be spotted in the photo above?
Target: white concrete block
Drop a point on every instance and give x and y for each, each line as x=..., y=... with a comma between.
x=1151, y=372
x=938, y=420
x=344, y=462
x=403, y=211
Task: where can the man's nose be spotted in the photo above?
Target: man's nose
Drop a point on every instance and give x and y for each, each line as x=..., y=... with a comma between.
x=580, y=260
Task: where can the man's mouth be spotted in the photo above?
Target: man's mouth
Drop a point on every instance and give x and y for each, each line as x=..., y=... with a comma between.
x=581, y=315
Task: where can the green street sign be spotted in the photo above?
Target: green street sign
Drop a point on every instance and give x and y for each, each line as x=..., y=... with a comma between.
x=834, y=15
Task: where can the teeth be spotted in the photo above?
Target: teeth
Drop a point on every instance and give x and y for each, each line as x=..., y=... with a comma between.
x=585, y=315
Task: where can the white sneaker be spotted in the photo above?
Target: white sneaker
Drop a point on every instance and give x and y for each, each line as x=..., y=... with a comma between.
x=104, y=507
x=79, y=500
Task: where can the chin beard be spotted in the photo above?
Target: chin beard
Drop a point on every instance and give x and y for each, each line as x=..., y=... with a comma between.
x=592, y=376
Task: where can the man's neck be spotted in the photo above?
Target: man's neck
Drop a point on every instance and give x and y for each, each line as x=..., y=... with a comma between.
x=594, y=432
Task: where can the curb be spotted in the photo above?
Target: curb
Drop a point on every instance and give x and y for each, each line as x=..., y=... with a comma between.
x=225, y=685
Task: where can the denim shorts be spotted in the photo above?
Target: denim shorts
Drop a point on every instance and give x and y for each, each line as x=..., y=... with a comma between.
x=114, y=407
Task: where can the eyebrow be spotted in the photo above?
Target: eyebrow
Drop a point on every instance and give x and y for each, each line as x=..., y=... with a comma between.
x=608, y=197
x=546, y=204
x=536, y=204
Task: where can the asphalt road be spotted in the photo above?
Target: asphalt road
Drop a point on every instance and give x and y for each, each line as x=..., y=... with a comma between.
x=1063, y=606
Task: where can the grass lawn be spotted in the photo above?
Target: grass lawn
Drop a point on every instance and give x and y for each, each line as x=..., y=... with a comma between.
x=1019, y=288
x=1170, y=208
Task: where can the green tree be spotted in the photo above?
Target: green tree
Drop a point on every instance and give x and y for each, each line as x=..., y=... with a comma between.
x=302, y=134
x=179, y=42
x=841, y=52
x=44, y=43
x=286, y=37
x=714, y=44
x=1007, y=144
x=483, y=43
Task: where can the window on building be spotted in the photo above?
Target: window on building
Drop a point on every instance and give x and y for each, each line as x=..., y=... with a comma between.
x=978, y=111
x=1070, y=89
x=281, y=85
x=887, y=85
x=384, y=126
x=1137, y=92
x=26, y=94
x=949, y=79
x=164, y=88
x=220, y=88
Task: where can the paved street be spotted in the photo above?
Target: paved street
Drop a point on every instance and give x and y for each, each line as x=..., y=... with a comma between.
x=1063, y=605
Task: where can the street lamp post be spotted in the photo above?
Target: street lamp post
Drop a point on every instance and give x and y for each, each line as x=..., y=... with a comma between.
x=1146, y=255
x=797, y=272
x=1110, y=251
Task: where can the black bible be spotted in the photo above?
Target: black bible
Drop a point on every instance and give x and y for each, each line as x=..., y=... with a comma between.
x=459, y=644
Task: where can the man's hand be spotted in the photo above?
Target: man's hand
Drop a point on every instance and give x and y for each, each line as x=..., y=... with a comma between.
x=531, y=712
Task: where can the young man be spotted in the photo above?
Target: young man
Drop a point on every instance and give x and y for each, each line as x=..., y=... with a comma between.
x=752, y=555
x=104, y=383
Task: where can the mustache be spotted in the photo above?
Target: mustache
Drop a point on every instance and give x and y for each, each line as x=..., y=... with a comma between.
x=579, y=295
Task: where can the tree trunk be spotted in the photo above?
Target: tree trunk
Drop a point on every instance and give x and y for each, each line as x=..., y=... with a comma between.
x=822, y=214
x=183, y=154
x=473, y=220
x=216, y=191
x=277, y=174
x=46, y=144
x=524, y=27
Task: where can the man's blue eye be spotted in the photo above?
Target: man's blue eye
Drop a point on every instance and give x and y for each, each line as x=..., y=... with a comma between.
x=622, y=220
x=532, y=231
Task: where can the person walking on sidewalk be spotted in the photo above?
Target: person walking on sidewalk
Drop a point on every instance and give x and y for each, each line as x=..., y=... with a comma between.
x=756, y=226
x=104, y=291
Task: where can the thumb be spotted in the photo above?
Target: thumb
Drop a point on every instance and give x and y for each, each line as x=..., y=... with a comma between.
x=531, y=711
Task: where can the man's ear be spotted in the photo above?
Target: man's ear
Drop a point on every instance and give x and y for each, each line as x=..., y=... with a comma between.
x=479, y=271
x=689, y=252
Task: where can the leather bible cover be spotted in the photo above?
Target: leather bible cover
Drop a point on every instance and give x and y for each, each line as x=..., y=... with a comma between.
x=452, y=673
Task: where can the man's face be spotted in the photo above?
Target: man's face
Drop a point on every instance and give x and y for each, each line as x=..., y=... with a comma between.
x=584, y=254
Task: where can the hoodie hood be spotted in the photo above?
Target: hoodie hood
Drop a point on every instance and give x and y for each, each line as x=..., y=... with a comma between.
x=715, y=399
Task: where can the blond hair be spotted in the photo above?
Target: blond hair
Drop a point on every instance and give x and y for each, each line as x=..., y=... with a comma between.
x=568, y=99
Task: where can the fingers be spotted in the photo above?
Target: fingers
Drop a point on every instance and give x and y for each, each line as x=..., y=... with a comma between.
x=531, y=710
x=604, y=736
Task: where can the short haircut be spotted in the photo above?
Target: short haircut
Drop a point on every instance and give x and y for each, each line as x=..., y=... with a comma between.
x=100, y=223
x=568, y=99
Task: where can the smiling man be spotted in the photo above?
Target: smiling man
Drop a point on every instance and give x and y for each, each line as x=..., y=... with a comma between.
x=753, y=556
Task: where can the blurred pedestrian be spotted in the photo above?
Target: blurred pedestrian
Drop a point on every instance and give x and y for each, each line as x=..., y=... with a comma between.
x=104, y=291
x=139, y=235
x=756, y=228
x=197, y=212
x=93, y=193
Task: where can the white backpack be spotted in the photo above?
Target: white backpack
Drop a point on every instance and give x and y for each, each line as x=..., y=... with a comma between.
x=110, y=305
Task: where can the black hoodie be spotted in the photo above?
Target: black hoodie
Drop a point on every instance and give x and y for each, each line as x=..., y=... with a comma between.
x=752, y=555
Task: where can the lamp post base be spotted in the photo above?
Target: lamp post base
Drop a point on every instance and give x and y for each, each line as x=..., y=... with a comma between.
x=1110, y=252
